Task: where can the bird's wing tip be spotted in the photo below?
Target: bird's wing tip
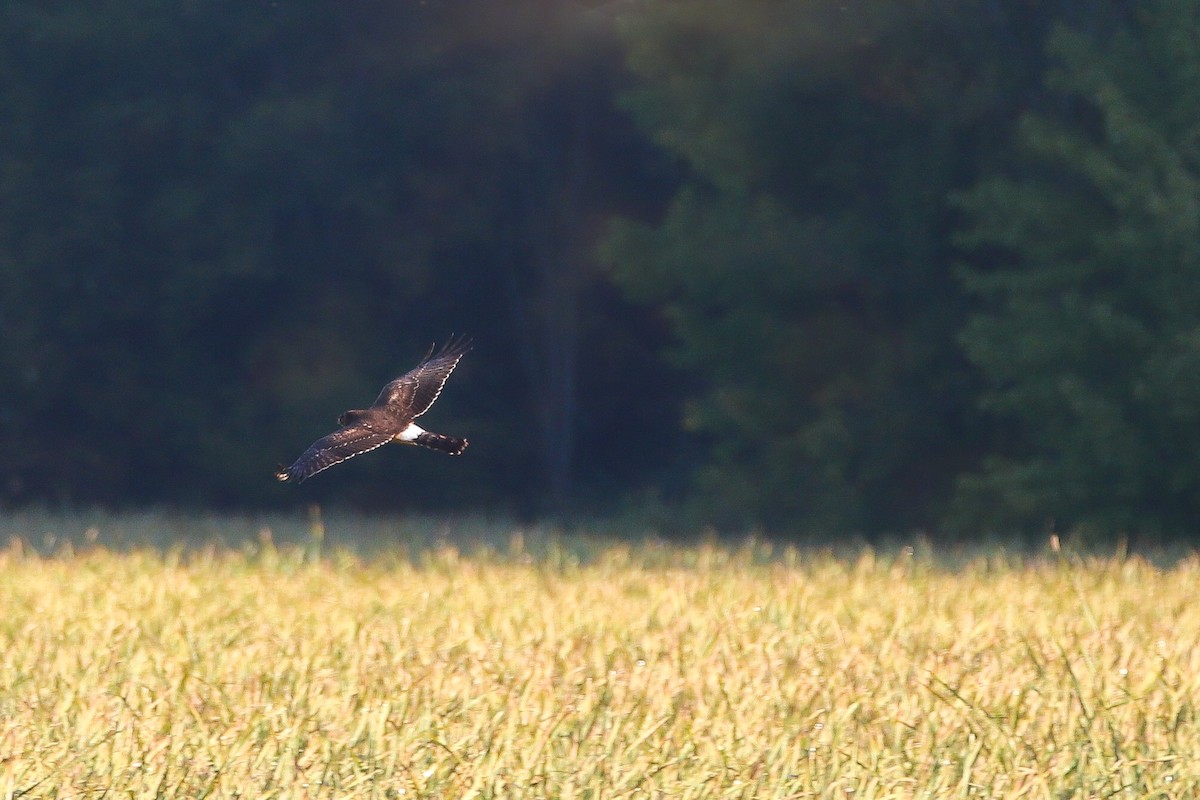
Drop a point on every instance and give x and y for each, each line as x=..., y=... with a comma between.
x=457, y=344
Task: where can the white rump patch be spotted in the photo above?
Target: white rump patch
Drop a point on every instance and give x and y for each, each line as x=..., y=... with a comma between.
x=410, y=433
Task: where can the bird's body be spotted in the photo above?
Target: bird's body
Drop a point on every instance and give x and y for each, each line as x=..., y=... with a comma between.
x=389, y=419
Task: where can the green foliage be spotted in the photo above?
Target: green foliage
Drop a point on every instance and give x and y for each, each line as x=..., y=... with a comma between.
x=803, y=268
x=222, y=223
x=1089, y=268
x=225, y=222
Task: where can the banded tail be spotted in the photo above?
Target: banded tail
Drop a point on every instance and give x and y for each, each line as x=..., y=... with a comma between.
x=451, y=445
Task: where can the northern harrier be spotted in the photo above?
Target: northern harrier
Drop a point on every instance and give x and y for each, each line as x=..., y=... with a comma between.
x=390, y=419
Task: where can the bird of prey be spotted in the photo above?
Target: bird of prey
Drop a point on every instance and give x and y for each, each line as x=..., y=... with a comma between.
x=390, y=419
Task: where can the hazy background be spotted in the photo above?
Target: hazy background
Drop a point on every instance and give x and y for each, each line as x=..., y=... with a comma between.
x=858, y=266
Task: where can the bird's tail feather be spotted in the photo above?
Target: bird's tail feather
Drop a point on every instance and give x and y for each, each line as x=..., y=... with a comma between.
x=451, y=445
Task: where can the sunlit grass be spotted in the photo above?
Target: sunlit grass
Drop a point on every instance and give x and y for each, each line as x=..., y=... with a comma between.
x=555, y=669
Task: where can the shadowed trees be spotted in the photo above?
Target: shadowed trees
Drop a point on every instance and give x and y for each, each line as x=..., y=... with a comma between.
x=1087, y=258
x=805, y=265
x=224, y=222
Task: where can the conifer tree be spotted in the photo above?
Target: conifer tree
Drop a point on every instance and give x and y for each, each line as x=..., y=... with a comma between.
x=804, y=266
x=1087, y=261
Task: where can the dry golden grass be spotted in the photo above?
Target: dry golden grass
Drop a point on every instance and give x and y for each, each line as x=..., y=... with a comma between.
x=641, y=672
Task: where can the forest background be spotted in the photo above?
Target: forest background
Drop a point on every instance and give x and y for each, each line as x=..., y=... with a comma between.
x=804, y=266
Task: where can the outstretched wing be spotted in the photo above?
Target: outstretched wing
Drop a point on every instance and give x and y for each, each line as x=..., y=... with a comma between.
x=333, y=449
x=415, y=391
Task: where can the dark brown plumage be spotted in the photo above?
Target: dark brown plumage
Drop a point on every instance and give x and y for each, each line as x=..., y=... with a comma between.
x=389, y=419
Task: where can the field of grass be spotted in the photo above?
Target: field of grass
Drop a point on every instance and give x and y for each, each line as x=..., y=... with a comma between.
x=562, y=668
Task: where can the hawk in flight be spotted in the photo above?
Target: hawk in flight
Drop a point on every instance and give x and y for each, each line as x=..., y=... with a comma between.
x=390, y=419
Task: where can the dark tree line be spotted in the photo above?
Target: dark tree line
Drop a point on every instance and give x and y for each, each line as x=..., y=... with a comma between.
x=808, y=265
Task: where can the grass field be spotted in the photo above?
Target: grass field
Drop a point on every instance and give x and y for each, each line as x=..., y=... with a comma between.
x=564, y=668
